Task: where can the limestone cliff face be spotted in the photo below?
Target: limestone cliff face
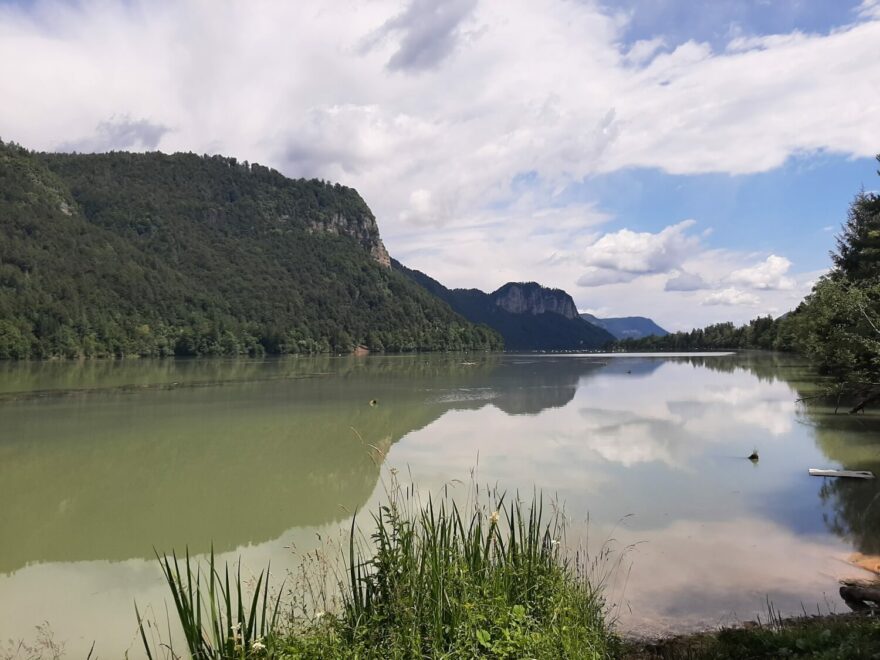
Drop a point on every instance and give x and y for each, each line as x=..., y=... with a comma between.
x=532, y=298
x=361, y=226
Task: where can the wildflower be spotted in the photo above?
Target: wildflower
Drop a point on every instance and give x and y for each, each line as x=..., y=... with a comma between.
x=494, y=518
x=318, y=615
x=258, y=646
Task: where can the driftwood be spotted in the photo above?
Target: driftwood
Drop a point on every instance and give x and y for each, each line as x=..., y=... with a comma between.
x=853, y=474
x=860, y=596
x=873, y=398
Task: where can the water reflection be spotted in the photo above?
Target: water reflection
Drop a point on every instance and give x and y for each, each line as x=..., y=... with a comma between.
x=100, y=462
x=136, y=456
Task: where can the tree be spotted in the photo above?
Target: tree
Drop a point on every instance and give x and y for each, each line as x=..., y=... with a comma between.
x=857, y=257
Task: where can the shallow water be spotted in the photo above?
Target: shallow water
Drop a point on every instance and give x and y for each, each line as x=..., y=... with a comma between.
x=103, y=461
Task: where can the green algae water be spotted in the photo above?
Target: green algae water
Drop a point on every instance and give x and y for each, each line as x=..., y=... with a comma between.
x=101, y=462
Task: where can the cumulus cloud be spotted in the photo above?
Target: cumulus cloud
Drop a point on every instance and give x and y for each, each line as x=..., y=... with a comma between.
x=642, y=252
x=623, y=255
x=730, y=296
x=685, y=281
x=432, y=110
x=769, y=274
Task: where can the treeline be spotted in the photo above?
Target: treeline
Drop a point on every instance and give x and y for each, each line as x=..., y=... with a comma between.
x=156, y=255
x=837, y=325
x=765, y=333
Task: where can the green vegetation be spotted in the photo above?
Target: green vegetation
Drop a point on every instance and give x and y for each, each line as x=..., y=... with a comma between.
x=431, y=581
x=846, y=637
x=154, y=255
x=763, y=333
x=521, y=332
x=222, y=623
x=837, y=326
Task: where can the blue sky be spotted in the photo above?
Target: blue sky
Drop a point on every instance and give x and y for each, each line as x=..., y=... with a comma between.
x=678, y=160
x=795, y=209
x=716, y=22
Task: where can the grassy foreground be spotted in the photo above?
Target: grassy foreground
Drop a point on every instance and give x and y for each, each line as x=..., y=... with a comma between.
x=432, y=580
x=438, y=580
x=832, y=637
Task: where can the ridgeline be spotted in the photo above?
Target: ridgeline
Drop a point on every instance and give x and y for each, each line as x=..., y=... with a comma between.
x=123, y=254
x=528, y=316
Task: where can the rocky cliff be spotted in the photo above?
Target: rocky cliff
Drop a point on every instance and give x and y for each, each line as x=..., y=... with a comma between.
x=529, y=316
x=532, y=298
x=362, y=227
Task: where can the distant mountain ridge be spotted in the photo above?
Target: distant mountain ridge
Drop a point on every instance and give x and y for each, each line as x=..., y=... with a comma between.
x=529, y=317
x=627, y=327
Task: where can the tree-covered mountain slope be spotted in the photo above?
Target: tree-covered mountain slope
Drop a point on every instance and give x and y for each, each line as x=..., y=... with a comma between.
x=154, y=254
x=528, y=316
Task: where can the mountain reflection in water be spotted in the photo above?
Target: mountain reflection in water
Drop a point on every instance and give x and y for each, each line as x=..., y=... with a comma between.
x=102, y=461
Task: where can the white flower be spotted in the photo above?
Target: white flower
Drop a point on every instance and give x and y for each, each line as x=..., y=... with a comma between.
x=258, y=646
x=318, y=615
x=494, y=518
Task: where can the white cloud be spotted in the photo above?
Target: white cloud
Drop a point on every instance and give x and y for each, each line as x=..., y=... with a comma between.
x=434, y=111
x=769, y=274
x=640, y=253
x=601, y=276
x=731, y=296
x=428, y=32
x=684, y=281
x=870, y=9
x=643, y=50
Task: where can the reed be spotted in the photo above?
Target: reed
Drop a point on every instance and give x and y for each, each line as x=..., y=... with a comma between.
x=435, y=578
x=219, y=620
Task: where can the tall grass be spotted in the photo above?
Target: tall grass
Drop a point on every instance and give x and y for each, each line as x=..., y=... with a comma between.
x=220, y=623
x=434, y=579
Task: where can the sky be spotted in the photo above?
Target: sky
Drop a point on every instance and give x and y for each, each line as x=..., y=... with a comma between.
x=691, y=162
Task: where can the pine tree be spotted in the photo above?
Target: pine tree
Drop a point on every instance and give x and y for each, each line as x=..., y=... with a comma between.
x=858, y=246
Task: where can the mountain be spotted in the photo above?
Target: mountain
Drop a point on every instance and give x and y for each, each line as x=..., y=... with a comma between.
x=627, y=327
x=528, y=316
x=153, y=254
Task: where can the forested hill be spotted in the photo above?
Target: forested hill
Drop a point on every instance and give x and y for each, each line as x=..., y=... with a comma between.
x=528, y=316
x=153, y=254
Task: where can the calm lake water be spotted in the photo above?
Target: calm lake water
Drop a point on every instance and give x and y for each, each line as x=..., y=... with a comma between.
x=103, y=461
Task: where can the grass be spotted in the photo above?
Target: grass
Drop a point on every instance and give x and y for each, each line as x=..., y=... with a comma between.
x=433, y=579
x=221, y=622
x=830, y=637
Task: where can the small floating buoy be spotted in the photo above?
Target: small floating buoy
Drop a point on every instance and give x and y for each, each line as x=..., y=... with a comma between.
x=374, y=402
x=753, y=457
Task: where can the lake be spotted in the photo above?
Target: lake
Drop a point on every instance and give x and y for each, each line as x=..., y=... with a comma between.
x=102, y=461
